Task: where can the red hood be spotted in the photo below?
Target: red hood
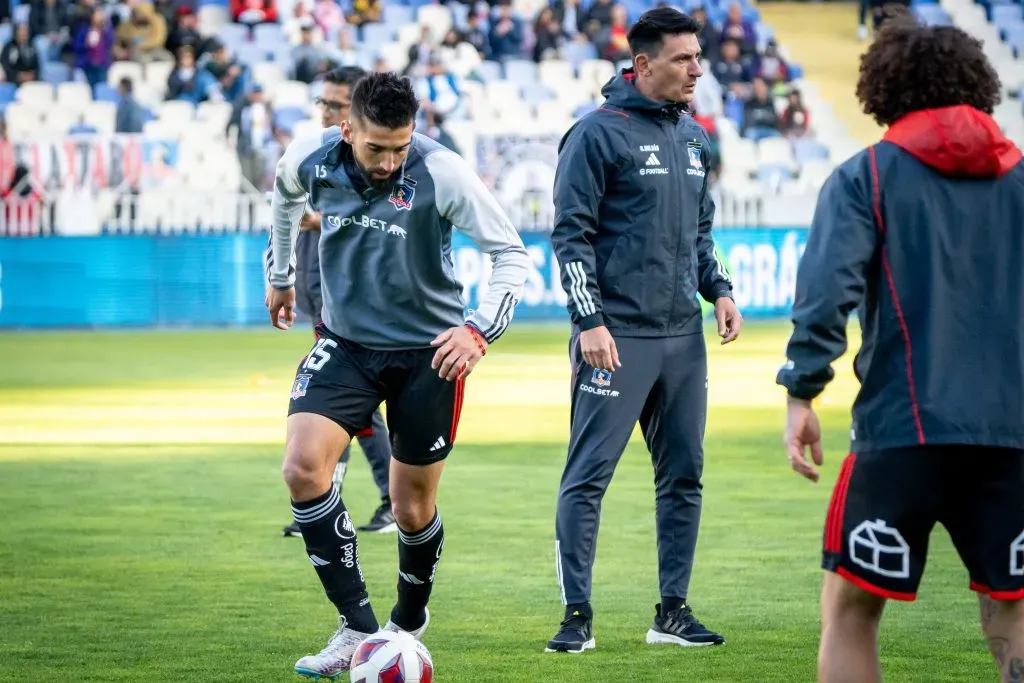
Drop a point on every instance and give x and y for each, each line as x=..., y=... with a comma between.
x=958, y=141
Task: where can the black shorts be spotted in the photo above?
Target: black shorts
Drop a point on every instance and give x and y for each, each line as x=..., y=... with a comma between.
x=886, y=502
x=347, y=382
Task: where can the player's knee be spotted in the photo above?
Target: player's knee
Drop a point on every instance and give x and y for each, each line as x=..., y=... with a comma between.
x=412, y=515
x=302, y=470
x=846, y=605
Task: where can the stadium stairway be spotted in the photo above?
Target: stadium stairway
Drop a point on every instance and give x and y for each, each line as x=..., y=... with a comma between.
x=823, y=39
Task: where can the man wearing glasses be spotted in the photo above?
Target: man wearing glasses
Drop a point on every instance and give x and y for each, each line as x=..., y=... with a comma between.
x=334, y=102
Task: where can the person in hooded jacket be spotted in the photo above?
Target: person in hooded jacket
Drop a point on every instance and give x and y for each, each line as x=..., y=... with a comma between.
x=921, y=233
x=632, y=236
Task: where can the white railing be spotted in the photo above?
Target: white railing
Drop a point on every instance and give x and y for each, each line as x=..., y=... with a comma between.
x=179, y=211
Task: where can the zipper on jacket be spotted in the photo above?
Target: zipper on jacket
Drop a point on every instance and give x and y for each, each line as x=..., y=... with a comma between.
x=678, y=212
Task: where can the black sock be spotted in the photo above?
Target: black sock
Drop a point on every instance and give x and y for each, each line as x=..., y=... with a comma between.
x=331, y=545
x=579, y=609
x=671, y=604
x=418, y=555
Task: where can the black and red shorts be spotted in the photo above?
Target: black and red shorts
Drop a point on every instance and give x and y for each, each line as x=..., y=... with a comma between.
x=886, y=502
x=346, y=382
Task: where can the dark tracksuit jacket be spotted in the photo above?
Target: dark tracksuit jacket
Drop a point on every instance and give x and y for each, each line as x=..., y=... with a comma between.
x=923, y=234
x=633, y=241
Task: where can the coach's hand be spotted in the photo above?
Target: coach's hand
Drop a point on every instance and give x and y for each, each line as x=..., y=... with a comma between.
x=803, y=430
x=598, y=348
x=730, y=322
x=281, y=304
x=461, y=348
x=309, y=221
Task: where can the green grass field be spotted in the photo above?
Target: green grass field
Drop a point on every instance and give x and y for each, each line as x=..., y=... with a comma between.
x=142, y=502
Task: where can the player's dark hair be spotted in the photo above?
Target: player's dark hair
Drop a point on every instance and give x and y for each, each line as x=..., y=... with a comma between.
x=344, y=75
x=385, y=99
x=911, y=66
x=650, y=29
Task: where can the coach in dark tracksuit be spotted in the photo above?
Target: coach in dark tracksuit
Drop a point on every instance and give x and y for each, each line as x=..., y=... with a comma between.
x=923, y=235
x=633, y=240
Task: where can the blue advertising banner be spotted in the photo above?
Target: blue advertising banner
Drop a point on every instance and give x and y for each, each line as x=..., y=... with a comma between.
x=189, y=280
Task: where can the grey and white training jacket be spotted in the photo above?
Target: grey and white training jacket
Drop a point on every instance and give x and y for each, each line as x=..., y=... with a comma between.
x=388, y=277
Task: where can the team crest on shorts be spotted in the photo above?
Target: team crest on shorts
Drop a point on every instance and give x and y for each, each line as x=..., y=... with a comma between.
x=299, y=388
x=601, y=378
x=402, y=194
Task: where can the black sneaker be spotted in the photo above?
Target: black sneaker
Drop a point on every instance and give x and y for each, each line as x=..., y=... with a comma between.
x=680, y=627
x=382, y=522
x=576, y=634
x=292, y=530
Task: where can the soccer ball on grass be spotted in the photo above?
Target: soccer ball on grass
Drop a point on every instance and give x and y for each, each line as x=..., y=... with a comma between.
x=390, y=657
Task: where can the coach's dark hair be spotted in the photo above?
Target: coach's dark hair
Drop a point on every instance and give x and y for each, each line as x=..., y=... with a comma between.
x=911, y=66
x=653, y=25
x=385, y=99
x=344, y=75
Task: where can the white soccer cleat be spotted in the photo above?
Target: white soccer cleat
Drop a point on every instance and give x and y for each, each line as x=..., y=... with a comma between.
x=335, y=659
x=417, y=634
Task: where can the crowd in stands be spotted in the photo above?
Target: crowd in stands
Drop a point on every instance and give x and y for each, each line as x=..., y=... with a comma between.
x=245, y=59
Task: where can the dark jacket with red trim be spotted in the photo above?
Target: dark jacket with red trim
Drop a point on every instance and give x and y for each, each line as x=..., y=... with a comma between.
x=633, y=217
x=924, y=234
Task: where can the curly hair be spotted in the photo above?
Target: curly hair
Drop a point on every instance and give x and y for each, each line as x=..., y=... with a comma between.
x=911, y=66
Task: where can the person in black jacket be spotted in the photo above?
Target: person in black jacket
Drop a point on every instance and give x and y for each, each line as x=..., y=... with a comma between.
x=922, y=234
x=633, y=240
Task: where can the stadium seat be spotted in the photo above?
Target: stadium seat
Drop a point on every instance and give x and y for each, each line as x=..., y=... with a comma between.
x=55, y=73
x=8, y=92
x=119, y=70
x=106, y=93
x=489, y=71
x=397, y=15
x=595, y=73
x=74, y=96
x=101, y=115
x=157, y=74
x=23, y=121
x=437, y=17
x=521, y=71
x=36, y=94
x=291, y=94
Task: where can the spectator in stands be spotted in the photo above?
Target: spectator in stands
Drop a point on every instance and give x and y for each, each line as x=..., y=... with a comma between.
x=251, y=124
x=344, y=53
x=570, y=16
x=771, y=67
x=708, y=38
x=731, y=71
x=188, y=83
x=548, y=36
x=80, y=14
x=449, y=48
x=186, y=32
x=49, y=18
x=233, y=78
x=760, y=119
x=167, y=11
x=93, y=47
x=419, y=54
x=477, y=37
x=598, y=18
x=19, y=58
x=253, y=12
x=611, y=42
x=506, y=34
x=439, y=90
x=82, y=127
x=433, y=127
x=364, y=12
x=299, y=22
x=307, y=58
x=737, y=29
x=329, y=17
x=130, y=117
x=796, y=120
x=142, y=36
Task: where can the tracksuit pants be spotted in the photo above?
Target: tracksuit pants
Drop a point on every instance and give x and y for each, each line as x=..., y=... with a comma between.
x=662, y=384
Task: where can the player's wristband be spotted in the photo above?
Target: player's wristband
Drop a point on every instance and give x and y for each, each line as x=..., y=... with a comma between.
x=478, y=338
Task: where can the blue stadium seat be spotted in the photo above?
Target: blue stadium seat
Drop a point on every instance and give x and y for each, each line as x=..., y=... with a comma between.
x=1014, y=37
x=104, y=92
x=521, y=71
x=796, y=71
x=534, y=92
x=575, y=53
x=1003, y=15
x=489, y=71
x=55, y=73
x=733, y=111
x=375, y=35
x=399, y=15
x=773, y=173
x=805, y=149
x=286, y=117
x=8, y=91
